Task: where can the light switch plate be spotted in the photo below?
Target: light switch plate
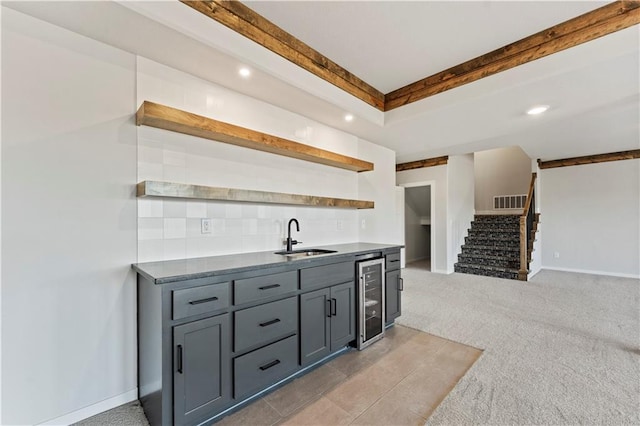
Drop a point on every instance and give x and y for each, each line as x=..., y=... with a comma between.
x=205, y=226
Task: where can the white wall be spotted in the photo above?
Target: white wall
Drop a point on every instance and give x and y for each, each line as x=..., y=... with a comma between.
x=68, y=221
x=170, y=229
x=590, y=215
x=437, y=176
x=460, y=204
x=71, y=156
x=502, y=171
x=380, y=223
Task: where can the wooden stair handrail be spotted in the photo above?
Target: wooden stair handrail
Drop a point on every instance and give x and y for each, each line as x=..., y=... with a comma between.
x=527, y=204
x=524, y=269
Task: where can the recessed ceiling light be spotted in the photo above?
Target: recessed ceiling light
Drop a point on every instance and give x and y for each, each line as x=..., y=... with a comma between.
x=244, y=72
x=538, y=109
x=348, y=117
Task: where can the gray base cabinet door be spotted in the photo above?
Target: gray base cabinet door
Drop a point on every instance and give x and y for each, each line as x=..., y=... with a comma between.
x=201, y=369
x=393, y=287
x=343, y=315
x=315, y=318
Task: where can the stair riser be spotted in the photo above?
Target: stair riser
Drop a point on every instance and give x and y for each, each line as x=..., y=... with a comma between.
x=497, y=227
x=491, y=251
x=493, y=242
x=510, y=264
x=497, y=219
x=487, y=273
x=490, y=233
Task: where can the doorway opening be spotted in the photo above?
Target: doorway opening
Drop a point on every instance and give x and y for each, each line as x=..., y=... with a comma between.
x=418, y=229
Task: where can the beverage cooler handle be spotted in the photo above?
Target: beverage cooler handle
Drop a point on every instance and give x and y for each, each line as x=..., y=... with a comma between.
x=401, y=282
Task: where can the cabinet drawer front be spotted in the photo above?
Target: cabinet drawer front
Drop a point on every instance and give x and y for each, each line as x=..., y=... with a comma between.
x=392, y=261
x=259, y=369
x=199, y=300
x=265, y=323
x=323, y=276
x=258, y=288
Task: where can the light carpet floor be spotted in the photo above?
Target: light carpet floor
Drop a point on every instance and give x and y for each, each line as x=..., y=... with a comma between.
x=562, y=348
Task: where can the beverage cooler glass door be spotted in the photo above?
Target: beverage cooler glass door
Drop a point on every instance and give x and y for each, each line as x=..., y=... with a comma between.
x=371, y=302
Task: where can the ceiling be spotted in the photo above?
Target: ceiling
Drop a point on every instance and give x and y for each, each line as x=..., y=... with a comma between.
x=390, y=44
x=593, y=89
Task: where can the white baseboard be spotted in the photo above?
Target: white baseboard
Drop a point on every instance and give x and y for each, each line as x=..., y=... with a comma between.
x=441, y=271
x=533, y=272
x=586, y=271
x=94, y=409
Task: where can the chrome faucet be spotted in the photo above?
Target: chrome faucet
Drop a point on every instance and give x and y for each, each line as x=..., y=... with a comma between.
x=290, y=242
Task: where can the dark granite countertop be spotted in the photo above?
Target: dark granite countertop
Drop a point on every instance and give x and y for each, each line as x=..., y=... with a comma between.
x=201, y=267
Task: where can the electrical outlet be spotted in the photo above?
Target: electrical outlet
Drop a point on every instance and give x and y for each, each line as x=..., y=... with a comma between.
x=363, y=224
x=556, y=255
x=339, y=225
x=205, y=226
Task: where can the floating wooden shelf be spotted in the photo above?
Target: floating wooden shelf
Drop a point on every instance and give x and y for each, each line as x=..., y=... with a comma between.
x=149, y=188
x=167, y=118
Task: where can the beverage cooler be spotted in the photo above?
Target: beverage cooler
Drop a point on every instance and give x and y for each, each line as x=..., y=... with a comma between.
x=371, y=302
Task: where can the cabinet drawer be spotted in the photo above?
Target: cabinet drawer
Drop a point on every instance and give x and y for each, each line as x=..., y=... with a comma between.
x=265, y=323
x=262, y=368
x=258, y=288
x=392, y=261
x=323, y=276
x=199, y=300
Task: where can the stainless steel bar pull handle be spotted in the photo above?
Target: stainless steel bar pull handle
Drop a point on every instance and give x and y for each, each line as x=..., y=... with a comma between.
x=273, y=321
x=267, y=287
x=197, y=302
x=401, y=284
x=271, y=364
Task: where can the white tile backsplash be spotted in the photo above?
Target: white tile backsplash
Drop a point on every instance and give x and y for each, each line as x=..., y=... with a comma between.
x=175, y=228
x=175, y=208
x=149, y=207
x=171, y=229
x=196, y=209
x=150, y=228
x=174, y=249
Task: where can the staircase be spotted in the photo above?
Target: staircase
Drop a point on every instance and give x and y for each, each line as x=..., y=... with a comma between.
x=493, y=247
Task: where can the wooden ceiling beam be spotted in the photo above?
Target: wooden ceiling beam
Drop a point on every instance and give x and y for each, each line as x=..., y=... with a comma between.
x=589, y=26
x=605, y=20
x=590, y=159
x=429, y=162
x=250, y=24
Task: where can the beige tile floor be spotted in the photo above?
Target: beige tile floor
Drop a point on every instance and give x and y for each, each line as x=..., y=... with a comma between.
x=398, y=380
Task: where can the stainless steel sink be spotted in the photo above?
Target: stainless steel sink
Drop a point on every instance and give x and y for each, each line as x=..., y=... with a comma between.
x=304, y=252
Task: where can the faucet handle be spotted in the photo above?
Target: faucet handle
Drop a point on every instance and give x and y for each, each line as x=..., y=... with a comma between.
x=294, y=242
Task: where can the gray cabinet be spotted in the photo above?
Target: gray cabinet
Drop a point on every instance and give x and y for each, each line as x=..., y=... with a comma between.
x=327, y=321
x=202, y=366
x=206, y=344
x=343, y=315
x=393, y=287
